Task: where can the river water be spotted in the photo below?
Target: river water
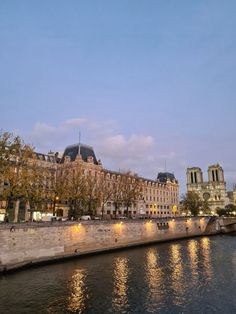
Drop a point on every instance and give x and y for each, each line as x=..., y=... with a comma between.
x=189, y=276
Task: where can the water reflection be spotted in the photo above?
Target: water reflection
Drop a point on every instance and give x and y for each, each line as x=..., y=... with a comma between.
x=189, y=276
x=154, y=275
x=192, y=251
x=120, y=278
x=78, y=293
x=177, y=273
x=205, y=248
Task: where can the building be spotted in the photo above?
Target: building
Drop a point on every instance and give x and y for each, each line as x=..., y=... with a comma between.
x=158, y=198
x=213, y=190
x=20, y=209
x=120, y=194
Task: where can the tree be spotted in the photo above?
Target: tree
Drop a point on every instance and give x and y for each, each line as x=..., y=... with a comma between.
x=74, y=190
x=117, y=196
x=16, y=172
x=230, y=209
x=105, y=191
x=192, y=203
x=205, y=207
x=92, y=194
x=221, y=211
x=23, y=178
x=131, y=190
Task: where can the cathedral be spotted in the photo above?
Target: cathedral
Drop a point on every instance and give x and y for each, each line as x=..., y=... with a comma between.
x=214, y=190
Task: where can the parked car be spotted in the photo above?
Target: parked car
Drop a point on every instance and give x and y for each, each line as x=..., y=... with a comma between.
x=49, y=218
x=97, y=218
x=85, y=217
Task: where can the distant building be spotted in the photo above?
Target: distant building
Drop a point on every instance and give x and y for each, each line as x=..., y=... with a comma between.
x=232, y=196
x=157, y=198
x=160, y=197
x=213, y=190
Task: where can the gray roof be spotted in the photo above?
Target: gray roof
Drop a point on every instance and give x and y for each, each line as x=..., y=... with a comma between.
x=85, y=151
x=164, y=176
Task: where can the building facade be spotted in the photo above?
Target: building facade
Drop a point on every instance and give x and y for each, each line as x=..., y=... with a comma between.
x=153, y=198
x=213, y=190
x=158, y=198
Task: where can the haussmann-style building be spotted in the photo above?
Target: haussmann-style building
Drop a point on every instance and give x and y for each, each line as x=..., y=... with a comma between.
x=157, y=198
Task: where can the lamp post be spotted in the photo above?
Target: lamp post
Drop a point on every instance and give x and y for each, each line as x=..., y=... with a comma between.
x=56, y=198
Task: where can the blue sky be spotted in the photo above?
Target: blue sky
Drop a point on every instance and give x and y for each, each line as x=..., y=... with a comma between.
x=145, y=80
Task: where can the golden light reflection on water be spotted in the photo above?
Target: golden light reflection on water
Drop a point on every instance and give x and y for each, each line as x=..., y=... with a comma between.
x=154, y=275
x=192, y=251
x=78, y=292
x=120, y=278
x=205, y=247
x=177, y=273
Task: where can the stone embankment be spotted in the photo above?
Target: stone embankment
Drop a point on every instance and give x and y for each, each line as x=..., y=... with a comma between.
x=31, y=243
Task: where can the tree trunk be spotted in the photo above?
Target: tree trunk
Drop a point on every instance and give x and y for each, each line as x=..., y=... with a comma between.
x=103, y=209
x=16, y=210
x=27, y=207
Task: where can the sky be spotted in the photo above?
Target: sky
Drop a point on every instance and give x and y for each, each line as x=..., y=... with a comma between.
x=150, y=84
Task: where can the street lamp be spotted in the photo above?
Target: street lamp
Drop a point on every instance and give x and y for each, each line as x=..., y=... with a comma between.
x=56, y=198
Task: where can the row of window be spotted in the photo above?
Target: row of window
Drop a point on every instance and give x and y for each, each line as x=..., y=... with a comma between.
x=173, y=200
x=158, y=212
x=158, y=206
x=120, y=212
x=165, y=193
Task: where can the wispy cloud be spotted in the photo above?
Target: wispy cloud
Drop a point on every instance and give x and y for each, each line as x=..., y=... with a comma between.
x=141, y=153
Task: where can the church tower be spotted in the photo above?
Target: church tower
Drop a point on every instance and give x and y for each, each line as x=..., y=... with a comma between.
x=215, y=174
x=194, y=176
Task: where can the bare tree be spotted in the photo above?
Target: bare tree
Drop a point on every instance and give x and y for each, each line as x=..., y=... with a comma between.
x=131, y=190
x=105, y=191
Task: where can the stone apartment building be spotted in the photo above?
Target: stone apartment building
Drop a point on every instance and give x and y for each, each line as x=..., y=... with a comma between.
x=47, y=163
x=159, y=198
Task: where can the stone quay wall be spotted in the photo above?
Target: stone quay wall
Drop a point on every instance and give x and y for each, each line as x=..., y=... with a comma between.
x=30, y=243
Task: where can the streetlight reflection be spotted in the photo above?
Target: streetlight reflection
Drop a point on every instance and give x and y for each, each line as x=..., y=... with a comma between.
x=192, y=250
x=120, y=277
x=78, y=292
x=205, y=246
x=154, y=276
x=177, y=274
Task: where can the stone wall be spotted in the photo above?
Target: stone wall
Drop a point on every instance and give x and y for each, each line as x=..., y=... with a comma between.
x=22, y=244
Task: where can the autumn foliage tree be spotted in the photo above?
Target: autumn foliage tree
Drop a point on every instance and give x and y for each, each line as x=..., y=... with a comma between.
x=192, y=203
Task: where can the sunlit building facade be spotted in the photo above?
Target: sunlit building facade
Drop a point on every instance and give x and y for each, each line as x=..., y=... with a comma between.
x=213, y=190
x=159, y=198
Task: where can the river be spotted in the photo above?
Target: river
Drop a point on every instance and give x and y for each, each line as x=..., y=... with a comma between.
x=189, y=276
